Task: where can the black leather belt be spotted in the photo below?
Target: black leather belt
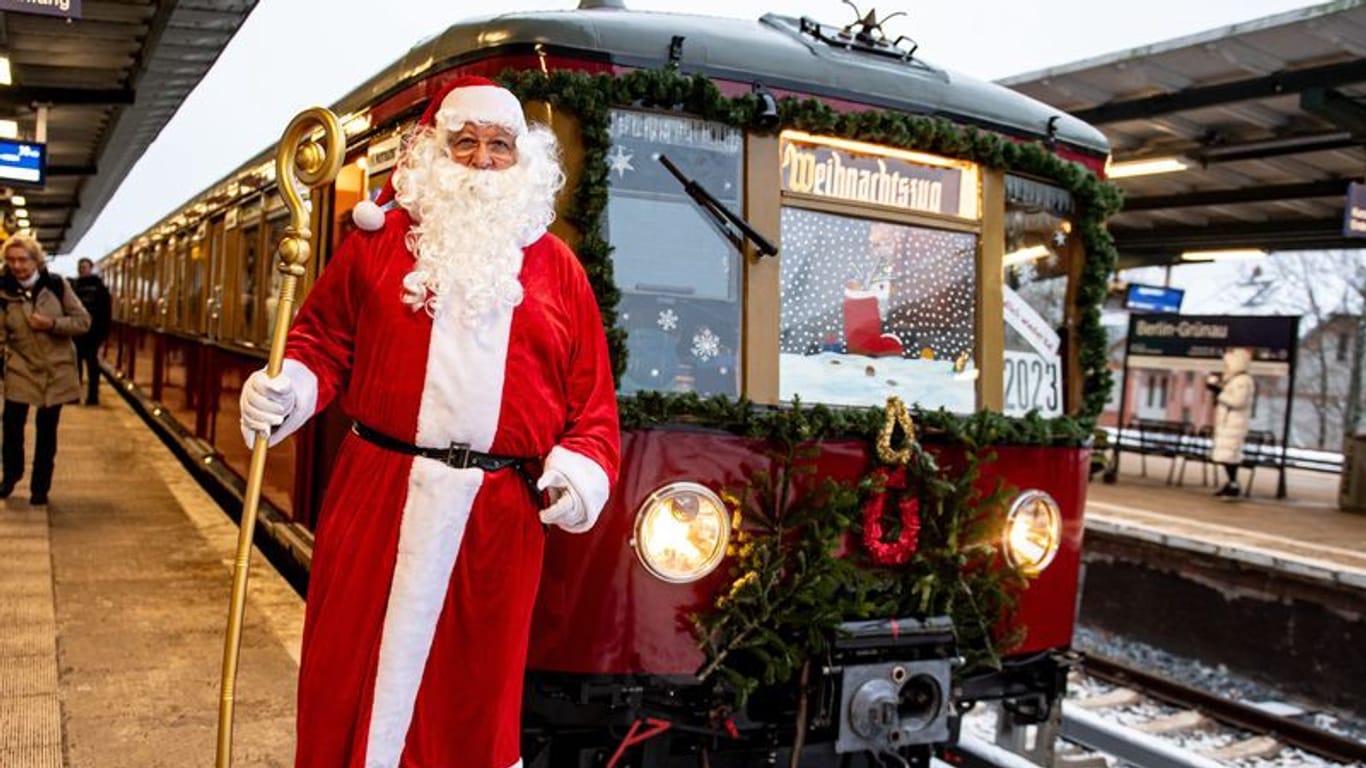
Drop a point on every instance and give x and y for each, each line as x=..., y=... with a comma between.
x=457, y=455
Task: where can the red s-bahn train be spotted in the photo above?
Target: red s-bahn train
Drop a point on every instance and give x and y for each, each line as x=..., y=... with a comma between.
x=791, y=228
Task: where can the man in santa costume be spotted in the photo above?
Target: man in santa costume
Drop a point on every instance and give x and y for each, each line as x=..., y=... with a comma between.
x=466, y=344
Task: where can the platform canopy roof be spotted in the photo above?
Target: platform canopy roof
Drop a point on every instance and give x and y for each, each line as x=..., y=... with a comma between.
x=110, y=79
x=1269, y=118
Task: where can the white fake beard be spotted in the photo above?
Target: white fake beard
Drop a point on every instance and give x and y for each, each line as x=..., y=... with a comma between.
x=470, y=225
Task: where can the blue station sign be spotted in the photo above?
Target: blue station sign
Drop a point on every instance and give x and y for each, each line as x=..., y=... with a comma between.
x=1153, y=298
x=22, y=162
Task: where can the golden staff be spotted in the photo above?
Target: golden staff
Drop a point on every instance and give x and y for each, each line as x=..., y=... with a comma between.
x=302, y=157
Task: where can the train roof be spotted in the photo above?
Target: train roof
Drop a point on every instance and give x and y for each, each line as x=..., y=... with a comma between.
x=780, y=51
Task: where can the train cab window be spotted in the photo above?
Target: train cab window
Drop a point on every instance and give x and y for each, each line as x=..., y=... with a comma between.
x=1039, y=253
x=679, y=278
x=870, y=309
x=877, y=276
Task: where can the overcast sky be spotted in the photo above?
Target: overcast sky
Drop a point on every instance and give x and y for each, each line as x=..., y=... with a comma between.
x=291, y=54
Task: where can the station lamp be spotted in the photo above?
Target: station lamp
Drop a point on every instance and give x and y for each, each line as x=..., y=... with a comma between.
x=9, y=129
x=1227, y=254
x=1031, y=253
x=18, y=200
x=1148, y=167
x=5, y=77
x=21, y=212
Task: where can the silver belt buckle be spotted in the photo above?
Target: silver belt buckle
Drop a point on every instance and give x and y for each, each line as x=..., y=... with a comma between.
x=458, y=455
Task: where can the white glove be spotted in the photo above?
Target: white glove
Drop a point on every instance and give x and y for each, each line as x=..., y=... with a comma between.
x=566, y=507
x=265, y=404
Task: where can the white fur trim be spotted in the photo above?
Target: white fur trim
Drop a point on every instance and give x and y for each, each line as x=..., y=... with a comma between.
x=462, y=395
x=588, y=479
x=434, y=518
x=368, y=215
x=528, y=238
x=481, y=104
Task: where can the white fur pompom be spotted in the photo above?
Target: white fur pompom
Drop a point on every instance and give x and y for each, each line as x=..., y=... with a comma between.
x=367, y=215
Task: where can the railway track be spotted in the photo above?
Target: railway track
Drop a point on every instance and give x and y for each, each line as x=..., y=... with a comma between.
x=1149, y=721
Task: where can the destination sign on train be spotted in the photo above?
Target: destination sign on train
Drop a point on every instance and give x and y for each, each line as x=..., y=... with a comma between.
x=21, y=162
x=856, y=172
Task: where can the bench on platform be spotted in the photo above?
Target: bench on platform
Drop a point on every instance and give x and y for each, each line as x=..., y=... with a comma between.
x=1158, y=437
x=1196, y=447
x=1260, y=449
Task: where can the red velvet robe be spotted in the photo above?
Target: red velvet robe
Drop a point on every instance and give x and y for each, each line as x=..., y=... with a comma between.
x=424, y=576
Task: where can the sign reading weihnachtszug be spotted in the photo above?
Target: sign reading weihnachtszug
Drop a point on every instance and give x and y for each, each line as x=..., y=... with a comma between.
x=888, y=180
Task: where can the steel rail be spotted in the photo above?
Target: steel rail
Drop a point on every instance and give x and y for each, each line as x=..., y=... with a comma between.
x=1291, y=732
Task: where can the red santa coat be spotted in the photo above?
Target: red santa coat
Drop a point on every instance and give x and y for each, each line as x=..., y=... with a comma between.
x=424, y=576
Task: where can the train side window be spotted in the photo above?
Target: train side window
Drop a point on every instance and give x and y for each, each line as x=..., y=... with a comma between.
x=250, y=252
x=679, y=278
x=271, y=299
x=1041, y=251
x=873, y=308
x=147, y=269
x=196, y=267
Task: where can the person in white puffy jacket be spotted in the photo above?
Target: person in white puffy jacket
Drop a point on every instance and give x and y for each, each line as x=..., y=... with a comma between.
x=1234, y=392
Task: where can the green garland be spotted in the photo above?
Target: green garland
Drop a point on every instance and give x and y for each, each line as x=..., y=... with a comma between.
x=795, y=577
x=798, y=572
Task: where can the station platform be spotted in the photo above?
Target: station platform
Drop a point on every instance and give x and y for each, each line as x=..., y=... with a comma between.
x=113, y=604
x=114, y=597
x=1304, y=534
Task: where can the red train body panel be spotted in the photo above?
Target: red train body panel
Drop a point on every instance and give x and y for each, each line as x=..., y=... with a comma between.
x=602, y=613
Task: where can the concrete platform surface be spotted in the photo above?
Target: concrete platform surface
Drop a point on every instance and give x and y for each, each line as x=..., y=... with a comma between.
x=113, y=605
x=1305, y=531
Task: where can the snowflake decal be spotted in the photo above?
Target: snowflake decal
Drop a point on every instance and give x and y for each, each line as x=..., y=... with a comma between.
x=667, y=320
x=706, y=345
x=620, y=161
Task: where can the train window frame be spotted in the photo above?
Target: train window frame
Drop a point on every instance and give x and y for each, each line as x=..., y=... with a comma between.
x=247, y=230
x=218, y=269
x=274, y=225
x=180, y=257
x=196, y=264
x=767, y=199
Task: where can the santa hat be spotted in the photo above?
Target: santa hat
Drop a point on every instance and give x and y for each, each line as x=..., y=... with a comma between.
x=466, y=99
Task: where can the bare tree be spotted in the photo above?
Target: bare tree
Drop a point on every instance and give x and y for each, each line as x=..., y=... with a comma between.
x=1322, y=286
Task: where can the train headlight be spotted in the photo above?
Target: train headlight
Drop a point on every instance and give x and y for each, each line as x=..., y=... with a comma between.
x=681, y=532
x=1033, y=532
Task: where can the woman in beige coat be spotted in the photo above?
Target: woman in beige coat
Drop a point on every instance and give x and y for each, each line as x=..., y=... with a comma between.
x=41, y=317
x=1234, y=393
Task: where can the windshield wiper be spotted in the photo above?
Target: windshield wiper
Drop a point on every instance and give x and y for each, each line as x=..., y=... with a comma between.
x=722, y=215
